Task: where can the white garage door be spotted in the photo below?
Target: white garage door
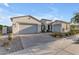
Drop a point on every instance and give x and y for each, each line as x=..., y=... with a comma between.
x=56, y=28
x=25, y=28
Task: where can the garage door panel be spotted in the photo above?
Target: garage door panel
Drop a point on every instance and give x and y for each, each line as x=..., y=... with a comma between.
x=56, y=28
x=24, y=29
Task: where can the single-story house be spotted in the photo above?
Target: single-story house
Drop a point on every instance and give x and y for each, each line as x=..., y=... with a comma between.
x=25, y=24
x=60, y=26
x=29, y=24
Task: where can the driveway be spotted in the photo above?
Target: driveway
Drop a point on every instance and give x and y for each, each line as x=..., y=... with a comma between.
x=31, y=40
x=43, y=44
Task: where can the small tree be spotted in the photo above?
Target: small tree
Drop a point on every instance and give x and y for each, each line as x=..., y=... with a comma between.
x=75, y=18
x=72, y=27
x=1, y=26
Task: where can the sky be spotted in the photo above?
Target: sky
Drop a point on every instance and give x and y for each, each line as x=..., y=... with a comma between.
x=51, y=11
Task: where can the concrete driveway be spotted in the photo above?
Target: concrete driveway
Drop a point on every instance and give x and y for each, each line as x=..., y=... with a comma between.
x=31, y=40
x=43, y=44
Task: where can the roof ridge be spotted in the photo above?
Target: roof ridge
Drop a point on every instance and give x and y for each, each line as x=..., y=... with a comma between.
x=25, y=16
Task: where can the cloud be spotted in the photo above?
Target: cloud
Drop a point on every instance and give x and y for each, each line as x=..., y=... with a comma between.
x=56, y=18
x=6, y=4
x=5, y=16
x=52, y=13
x=1, y=10
x=54, y=9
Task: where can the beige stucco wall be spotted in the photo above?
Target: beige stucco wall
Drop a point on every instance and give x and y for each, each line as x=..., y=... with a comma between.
x=25, y=20
x=15, y=28
x=39, y=28
x=56, y=23
x=66, y=27
x=48, y=22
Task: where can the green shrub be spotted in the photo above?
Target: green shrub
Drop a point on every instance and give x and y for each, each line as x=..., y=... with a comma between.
x=57, y=34
x=77, y=31
x=67, y=34
x=73, y=32
x=10, y=36
x=6, y=44
x=0, y=34
x=70, y=33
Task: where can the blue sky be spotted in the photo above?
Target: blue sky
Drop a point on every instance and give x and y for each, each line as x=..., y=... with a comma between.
x=53, y=11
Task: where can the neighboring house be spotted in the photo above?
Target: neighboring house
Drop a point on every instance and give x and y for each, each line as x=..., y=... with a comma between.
x=74, y=26
x=4, y=30
x=60, y=26
x=25, y=24
x=46, y=27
